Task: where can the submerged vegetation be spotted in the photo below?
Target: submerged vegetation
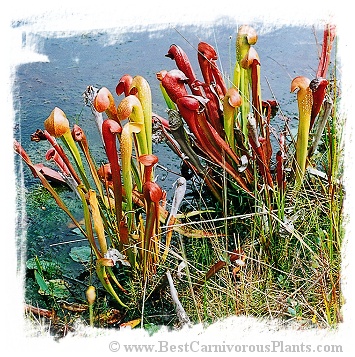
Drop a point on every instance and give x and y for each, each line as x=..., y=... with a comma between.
x=260, y=232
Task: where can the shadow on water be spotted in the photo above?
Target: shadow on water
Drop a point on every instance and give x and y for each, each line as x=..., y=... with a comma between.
x=100, y=59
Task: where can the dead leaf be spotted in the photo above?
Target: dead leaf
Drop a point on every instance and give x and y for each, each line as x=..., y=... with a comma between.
x=130, y=324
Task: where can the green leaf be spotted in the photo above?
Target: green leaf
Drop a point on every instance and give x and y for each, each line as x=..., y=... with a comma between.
x=291, y=311
x=282, y=279
x=56, y=288
x=41, y=282
x=80, y=254
x=44, y=264
x=151, y=328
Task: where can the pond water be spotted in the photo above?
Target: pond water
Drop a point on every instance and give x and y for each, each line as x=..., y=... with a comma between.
x=100, y=59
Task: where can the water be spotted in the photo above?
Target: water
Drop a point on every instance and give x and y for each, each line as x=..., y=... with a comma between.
x=100, y=59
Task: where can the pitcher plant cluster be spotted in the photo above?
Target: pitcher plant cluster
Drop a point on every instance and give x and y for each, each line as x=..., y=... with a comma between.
x=220, y=128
